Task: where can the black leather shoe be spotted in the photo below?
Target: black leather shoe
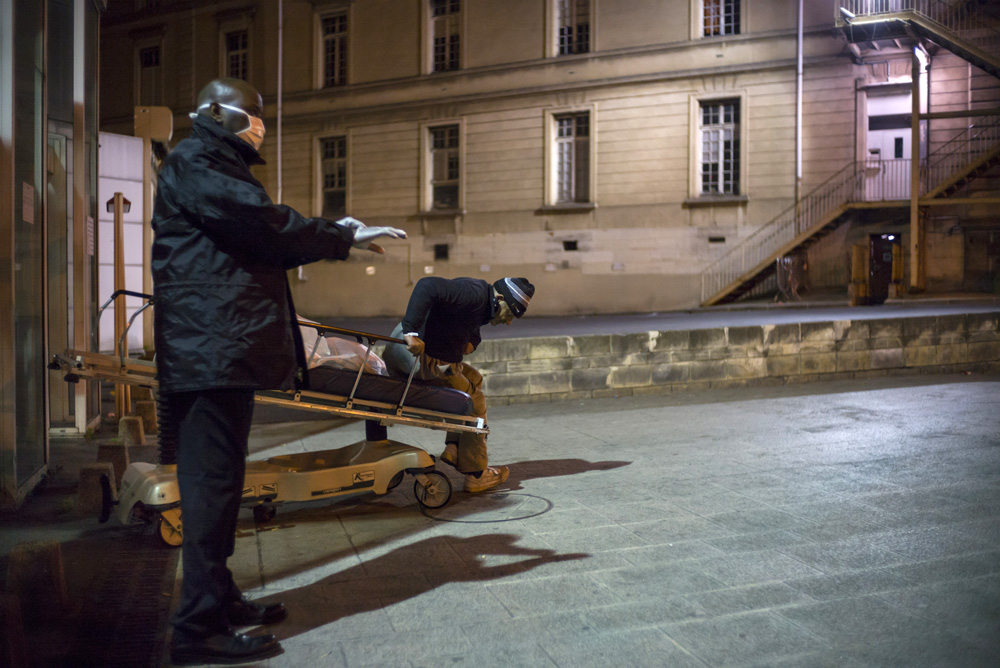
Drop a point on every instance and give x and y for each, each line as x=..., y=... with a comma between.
x=245, y=612
x=228, y=647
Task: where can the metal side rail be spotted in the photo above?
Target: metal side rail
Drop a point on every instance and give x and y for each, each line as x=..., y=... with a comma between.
x=98, y=366
x=372, y=410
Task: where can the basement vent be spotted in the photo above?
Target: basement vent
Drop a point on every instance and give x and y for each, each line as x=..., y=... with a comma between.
x=716, y=240
x=440, y=251
x=570, y=245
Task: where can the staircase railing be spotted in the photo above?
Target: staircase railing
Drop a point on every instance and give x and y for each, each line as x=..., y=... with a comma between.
x=867, y=180
x=760, y=244
x=964, y=148
x=951, y=16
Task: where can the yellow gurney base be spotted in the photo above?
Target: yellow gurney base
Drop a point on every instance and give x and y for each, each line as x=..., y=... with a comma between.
x=151, y=490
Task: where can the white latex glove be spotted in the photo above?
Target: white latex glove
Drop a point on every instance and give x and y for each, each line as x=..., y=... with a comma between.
x=363, y=238
x=364, y=235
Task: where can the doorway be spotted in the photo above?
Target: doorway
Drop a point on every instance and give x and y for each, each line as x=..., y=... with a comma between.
x=889, y=140
x=880, y=263
x=982, y=260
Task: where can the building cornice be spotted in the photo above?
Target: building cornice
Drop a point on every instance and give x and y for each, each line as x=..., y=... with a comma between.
x=320, y=105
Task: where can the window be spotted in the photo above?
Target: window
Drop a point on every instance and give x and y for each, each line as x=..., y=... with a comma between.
x=446, y=35
x=445, y=172
x=149, y=86
x=237, y=53
x=720, y=147
x=720, y=17
x=333, y=29
x=573, y=21
x=572, y=158
x=333, y=171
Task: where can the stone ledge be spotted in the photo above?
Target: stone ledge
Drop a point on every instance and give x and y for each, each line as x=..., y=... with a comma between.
x=562, y=368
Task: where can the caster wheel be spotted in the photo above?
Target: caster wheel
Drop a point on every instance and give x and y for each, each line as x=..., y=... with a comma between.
x=432, y=490
x=394, y=483
x=263, y=514
x=170, y=535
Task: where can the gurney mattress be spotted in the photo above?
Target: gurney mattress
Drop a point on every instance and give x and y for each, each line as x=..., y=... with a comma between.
x=386, y=389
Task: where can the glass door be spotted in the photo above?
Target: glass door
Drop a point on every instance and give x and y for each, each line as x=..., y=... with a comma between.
x=31, y=451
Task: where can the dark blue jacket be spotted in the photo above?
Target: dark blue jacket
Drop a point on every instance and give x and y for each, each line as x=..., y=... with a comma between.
x=223, y=310
x=447, y=314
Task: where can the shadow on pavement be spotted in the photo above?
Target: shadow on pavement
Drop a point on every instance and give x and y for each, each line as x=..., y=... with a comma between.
x=366, y=588
x=550, y=468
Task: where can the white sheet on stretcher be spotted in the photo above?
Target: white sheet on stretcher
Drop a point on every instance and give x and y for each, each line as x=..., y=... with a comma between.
x=339, y=353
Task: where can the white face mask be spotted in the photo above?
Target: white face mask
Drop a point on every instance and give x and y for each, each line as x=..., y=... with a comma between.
x=253, y=134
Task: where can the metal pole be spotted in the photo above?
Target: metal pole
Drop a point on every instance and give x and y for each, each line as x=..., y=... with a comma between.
x=281, y=34
x=916, y=231
x=121, y=390
x=798, y=120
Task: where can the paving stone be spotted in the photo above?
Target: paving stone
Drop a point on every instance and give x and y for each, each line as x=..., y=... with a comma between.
x=857, y=621
x=959, y=567
x=642, y=614
x=756, y=541
x=746, y=599
x=859, y=553
x=492, y=654
x=666, y=552
x=556, y=594
x=737, y=639
x=937, y=649
x=753, y=567
x=847, y=585
x=755, y=520
x=963, y=608
x=641, y=582
x=645, y=647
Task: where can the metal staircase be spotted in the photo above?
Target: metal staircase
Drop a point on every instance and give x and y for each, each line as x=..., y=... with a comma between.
x=859, y=185
x=953, y=25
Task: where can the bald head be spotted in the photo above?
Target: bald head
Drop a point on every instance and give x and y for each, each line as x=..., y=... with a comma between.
x=232, y=92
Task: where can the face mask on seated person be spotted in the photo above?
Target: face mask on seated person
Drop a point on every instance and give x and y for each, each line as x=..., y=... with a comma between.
x=253, y=134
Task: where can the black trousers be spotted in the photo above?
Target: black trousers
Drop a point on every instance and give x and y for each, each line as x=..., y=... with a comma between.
x=212, y=431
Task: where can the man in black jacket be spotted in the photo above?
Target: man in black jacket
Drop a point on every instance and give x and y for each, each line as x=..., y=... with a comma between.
x=224, y=327
x=440, y=327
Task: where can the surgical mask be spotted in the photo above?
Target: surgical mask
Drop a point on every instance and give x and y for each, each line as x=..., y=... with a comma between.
x=254, y=132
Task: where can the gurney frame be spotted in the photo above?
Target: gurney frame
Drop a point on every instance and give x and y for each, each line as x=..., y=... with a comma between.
x=150, y=491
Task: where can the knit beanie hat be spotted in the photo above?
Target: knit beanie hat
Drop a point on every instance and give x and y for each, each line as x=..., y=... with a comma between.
x=517, y=292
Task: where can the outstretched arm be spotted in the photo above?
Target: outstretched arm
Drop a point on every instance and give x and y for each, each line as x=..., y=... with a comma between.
x=238, y=213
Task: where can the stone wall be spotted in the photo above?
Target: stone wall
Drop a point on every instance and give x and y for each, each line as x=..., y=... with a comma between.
x=575, y=367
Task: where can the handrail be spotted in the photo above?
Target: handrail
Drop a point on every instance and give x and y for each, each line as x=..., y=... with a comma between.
x=850, y=184
x=962, y=149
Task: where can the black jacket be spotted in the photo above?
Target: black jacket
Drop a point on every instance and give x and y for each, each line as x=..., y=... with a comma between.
x=223, y=310
x=447, y=314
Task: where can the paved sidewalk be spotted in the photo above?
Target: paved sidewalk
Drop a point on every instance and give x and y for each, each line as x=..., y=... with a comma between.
x=841, y=524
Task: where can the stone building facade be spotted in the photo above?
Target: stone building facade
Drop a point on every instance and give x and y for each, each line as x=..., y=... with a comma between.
x=611, y=151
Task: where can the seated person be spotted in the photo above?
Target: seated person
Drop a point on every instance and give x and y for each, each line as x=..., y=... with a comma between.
x=440, y=327
x=334, y=363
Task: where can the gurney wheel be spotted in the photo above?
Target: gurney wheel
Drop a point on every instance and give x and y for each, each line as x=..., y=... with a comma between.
x=396, y=479
x=168, y=534
x=263, y=514
x=435, y=493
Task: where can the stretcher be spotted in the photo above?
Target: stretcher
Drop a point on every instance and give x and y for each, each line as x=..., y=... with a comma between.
x=149, y=492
